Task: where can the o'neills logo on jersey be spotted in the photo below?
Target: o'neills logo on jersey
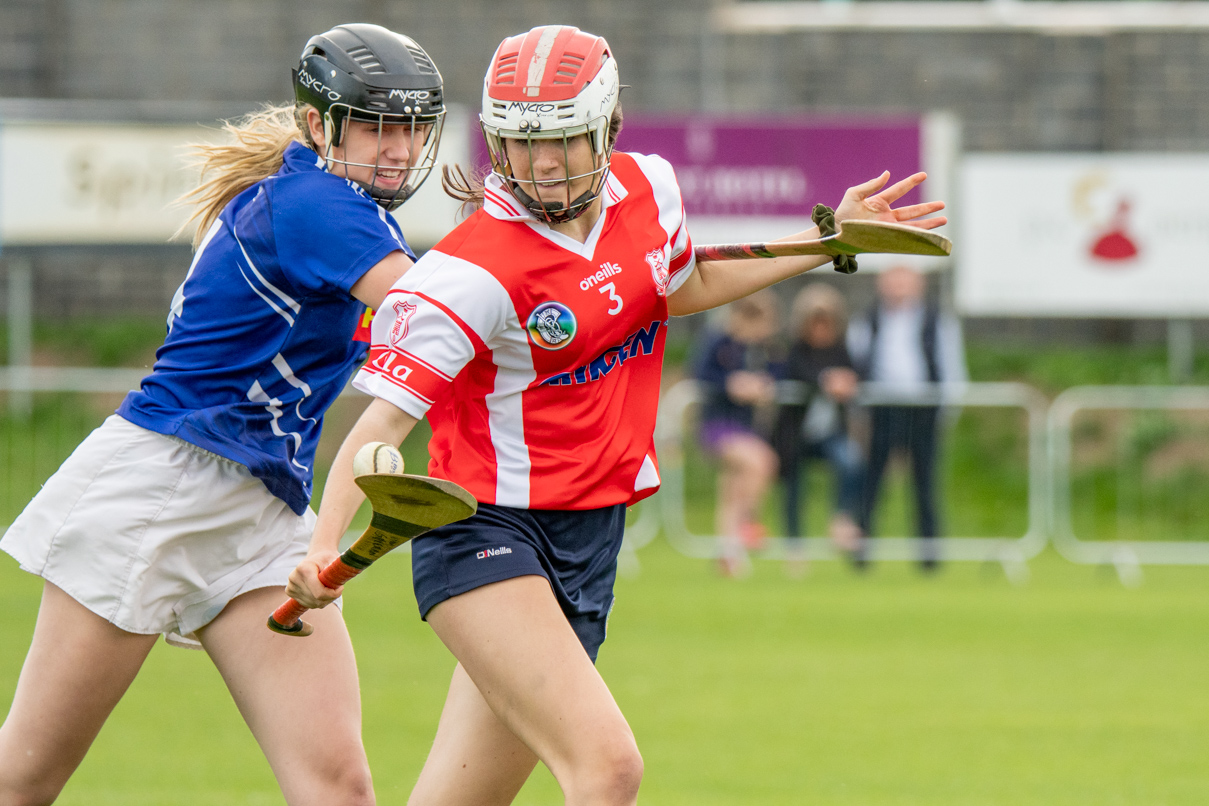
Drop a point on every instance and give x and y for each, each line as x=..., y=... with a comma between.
x=606, y=271
x=551, y=326
x=403, y=312
x=482, y=555
x=659, y=270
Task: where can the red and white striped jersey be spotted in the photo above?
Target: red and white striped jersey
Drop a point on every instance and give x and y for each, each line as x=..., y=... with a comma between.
x=536, y=358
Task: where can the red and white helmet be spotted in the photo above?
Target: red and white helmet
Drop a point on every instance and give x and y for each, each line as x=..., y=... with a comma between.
x=555, y=81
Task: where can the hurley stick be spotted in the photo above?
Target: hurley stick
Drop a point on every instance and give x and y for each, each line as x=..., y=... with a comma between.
x=403, y=507
x=852, y=238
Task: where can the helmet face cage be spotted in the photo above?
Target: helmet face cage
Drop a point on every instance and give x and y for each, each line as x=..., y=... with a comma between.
x=424, y=130
x=553, y=83
x=551, y=207
x=368, y=73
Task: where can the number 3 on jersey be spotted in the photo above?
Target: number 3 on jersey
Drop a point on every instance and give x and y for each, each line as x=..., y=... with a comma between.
x=616, y=300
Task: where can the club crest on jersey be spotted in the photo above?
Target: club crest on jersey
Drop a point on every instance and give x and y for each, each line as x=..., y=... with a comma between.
x=403, y=312
x=659, y=271
x=551, y=326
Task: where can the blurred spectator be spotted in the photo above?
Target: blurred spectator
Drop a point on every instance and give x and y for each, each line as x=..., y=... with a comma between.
x=736, y=371
x=812, y=422
x=904, y=343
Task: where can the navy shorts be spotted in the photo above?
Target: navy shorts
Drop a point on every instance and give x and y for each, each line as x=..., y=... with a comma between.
x=576, y=550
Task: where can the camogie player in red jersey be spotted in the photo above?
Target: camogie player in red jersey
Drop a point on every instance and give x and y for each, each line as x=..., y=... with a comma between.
x=532, y=338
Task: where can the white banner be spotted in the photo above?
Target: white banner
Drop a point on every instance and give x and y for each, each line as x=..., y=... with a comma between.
x=1083, y=235
x=91, y=183
x=71, y=183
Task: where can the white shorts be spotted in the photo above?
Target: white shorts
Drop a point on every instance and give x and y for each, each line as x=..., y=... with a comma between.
x=155, y=534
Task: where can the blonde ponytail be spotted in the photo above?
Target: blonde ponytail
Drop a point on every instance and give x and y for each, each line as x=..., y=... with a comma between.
x=255, y=150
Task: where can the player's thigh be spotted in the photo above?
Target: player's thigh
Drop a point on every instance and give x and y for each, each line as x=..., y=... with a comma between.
x=299, y=696
x=77, y=669
x=517, y=647
x=475, y=758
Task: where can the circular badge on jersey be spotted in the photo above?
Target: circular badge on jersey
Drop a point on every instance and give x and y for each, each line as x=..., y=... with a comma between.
x=551, y=326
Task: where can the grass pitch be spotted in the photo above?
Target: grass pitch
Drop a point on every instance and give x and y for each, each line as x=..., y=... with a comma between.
x=883, y=688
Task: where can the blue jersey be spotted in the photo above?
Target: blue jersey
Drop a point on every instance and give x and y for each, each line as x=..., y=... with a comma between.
x=260, y=335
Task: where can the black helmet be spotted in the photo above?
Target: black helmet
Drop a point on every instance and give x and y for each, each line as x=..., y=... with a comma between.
x=366, y=72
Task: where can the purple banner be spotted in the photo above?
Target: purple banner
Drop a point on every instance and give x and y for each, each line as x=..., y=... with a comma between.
x=774, y=167
x=762, y=166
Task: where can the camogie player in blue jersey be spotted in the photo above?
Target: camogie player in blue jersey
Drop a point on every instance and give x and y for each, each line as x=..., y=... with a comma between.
x=185, y=512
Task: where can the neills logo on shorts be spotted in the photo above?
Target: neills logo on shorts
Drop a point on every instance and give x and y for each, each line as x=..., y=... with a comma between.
x=482, y=555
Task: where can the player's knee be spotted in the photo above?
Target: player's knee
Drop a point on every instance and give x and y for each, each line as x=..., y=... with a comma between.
x=627, y=776
x=614, y=777
x=623, y=776
x=337, y=778
x=360, y=795
x=353, y=784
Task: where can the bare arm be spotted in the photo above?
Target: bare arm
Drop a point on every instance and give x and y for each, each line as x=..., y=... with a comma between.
x=381, y=422
x=717, y=282
x=376, y=283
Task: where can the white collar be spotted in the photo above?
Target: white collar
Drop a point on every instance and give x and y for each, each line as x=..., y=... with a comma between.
x=499, y=202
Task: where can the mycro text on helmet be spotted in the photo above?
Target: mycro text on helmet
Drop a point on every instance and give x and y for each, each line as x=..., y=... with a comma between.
x=316, y=84
x=534, y=106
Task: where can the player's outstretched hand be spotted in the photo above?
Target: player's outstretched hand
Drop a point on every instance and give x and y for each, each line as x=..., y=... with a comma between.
x=873, y=201
x=304, y=585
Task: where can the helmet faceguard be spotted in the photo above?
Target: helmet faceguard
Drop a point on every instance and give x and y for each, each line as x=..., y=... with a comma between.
x=367, y=73
x=553, y=83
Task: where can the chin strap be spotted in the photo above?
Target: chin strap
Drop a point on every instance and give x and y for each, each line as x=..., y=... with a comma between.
x=824, y=217
x=558, y=215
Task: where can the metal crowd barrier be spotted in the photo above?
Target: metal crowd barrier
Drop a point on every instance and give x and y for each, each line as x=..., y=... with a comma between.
x=1048, y=457
x=1126, y=556
x=1012, y=552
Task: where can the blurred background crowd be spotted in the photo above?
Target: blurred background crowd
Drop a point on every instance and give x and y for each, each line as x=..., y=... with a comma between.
x=775, y=398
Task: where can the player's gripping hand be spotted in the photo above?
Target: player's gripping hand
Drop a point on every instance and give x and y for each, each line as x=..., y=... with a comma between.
x=304, y=585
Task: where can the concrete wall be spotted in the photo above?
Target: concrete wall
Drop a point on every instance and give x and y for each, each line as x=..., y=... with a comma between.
x=1017, y=91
